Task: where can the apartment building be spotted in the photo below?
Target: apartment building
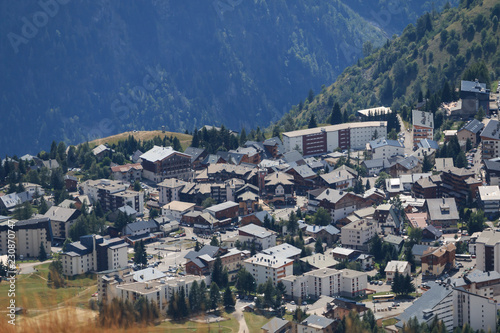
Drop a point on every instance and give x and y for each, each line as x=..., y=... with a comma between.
x=160, y=163
x=113, y=194
x=356, y=235
x=128, y=172
x=29, y=235
x=61, y=220
x=488, y=251
x=423, y=126
x=254, y=234
x=443, y=214
x=159, y=290
x=437, y=260
x=202, y=262
x=402, y=267
x=94, y=253
x=320, y=140
x=471, y=131
x=264, y=267
x=490, y=136
x=385, y=148
x=454, y=305
x=177, y=209
x=169, y=190
x=489, y=199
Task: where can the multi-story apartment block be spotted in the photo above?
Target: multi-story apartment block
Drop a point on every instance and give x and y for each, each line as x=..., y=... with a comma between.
x=454, y=305
x=471, y=131
x=61, y=220
x=113, y=194
x=356, y=235
x=384, y=148
x=489, y=199
x=254, y=234
x=423, y=126
x=474, y=95
x=93, y=253
x=437, y=260
x=159, y=290
x=160, y=163
x=319, y=140
x=128, y=172
x=326, y=282
x=29, y=235
x=264, y=267
x=490, y=136
x=488, y=251
x=202, y=262
x=443, y=214
x=402, y=267
x=169, y=190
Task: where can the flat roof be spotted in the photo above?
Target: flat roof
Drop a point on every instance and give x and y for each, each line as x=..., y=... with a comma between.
x=333, y=128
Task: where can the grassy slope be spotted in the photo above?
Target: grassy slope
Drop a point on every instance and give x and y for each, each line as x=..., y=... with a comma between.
x=32, y=291
x=356, y=84
x=185, y=139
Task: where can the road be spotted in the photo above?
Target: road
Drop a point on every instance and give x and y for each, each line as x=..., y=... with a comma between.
x=406, y=135
x=29, y=268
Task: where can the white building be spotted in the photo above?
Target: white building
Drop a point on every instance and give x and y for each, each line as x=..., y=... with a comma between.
x=159, y=290
x=263, y=267
x=319, y=140
x=327, y=282
x=488, y=251
x=489, y=198
x=384, y=148
x=177, y=208
x=262, y=237
x=113, y=194
x=169, y=190
x=454, y=305
x=402, y=267
x=357, y=234
x=94, y=254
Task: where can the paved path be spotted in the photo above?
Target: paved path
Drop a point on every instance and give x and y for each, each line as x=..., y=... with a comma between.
x=28, y=268
x=238, y=314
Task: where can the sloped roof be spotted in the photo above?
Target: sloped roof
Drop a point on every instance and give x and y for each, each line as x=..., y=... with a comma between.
x=473, y=126
x=61, y=214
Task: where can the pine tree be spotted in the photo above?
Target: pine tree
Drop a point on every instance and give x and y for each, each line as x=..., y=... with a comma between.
x=310, y=95
x=336, y=116
x=42, y=255
x=43, y=208
x=312, y=122
x=318, y=246
x=367, y=185
x=229, y=301
x=217, y=271
x=194, y=297
x=214, y=296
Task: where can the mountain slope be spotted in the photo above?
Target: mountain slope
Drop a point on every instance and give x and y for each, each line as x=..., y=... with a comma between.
x=80, y=70
x=437, y=52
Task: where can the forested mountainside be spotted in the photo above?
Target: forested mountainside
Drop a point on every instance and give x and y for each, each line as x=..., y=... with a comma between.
x=394, y=15
x=426, y=62
x=76, y=70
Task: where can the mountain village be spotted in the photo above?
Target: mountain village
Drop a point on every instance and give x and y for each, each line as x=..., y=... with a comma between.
x=303, y=227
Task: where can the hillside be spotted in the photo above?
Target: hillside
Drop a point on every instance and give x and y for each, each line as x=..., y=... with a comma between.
x=185, y=139
x=92, y=69
x=428, y=60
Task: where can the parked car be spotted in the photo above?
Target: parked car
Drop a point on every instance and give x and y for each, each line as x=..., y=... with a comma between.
x=380, y=283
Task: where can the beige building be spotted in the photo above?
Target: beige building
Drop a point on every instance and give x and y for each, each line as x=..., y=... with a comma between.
x=254, y=234
x=402, y=267
x=326, y=282
x=488, y=251
x=357, y=234
x=28, y=236
x=158, y=291
x=177, y=208
x=169, y=190
x=61, y=220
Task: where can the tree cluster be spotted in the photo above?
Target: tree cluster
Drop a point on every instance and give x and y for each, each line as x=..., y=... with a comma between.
x=125, y=314
x=402, y=284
